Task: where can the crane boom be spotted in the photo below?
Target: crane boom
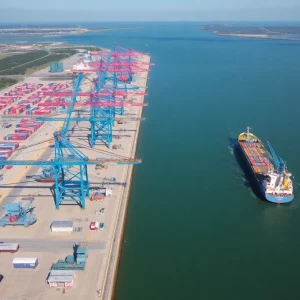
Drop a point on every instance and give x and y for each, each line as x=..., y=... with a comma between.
x=71, y=107
x=278, y=162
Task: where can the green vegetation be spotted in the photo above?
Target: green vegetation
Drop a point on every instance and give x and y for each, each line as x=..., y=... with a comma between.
x=5, y=82
x=91, y=48
x=32, y=61
x=39, y=64
x=19, y=59
x=3, y=55
x=66, y=51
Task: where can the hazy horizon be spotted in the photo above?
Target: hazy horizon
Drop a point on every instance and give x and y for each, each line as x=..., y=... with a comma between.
x=17, y=11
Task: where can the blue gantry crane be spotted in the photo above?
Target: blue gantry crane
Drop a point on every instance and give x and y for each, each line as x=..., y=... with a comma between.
x=69, y=164
x=110, y=78
x=101, y=130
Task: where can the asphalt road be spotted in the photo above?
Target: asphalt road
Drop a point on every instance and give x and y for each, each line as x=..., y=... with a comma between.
x=52, y=245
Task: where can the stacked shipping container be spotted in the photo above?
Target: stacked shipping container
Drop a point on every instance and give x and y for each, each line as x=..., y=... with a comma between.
x=24, y=129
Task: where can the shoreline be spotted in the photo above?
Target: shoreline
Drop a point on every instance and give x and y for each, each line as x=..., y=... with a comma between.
x=256, y=36
x=19, y=34
x=112, y=268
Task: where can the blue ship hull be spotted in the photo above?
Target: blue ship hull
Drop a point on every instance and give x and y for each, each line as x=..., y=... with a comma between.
x=279, y=200
x=259, y=185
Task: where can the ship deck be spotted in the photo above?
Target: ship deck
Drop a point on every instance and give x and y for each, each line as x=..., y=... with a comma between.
x=257, y=156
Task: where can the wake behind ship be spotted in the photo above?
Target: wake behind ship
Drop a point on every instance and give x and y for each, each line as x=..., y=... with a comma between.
x=269, y=171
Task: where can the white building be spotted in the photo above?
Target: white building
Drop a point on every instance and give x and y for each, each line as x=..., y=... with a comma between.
x=61, y=278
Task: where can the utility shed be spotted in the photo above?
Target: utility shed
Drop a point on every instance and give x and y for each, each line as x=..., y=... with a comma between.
x=56, y=67
x=61, y=278
x=62, y=226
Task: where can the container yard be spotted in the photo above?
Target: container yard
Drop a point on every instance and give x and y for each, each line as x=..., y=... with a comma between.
x=67, y=151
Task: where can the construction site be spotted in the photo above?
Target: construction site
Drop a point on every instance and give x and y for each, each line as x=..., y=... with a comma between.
x=67, y=153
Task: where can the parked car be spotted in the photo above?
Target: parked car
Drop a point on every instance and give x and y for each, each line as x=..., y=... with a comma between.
x=6, y=125
x=1, y=277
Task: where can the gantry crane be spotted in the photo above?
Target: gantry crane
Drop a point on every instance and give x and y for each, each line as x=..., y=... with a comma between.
x=69, y=163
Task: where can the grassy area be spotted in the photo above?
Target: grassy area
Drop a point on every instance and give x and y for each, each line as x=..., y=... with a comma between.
x=6, y=82
x=36, y=68
x=27, y=64
x=3, y=55
x=90, y=48
x=19, y=59
x=44, y=63
x=66, y=51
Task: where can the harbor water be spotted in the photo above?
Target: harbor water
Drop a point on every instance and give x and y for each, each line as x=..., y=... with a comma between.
x=195, y=229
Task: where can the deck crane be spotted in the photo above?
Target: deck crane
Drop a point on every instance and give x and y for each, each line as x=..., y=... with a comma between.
x=278, y=161
x=70, y=164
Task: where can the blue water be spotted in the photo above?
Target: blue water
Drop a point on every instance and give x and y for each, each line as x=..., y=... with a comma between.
x=195, y=229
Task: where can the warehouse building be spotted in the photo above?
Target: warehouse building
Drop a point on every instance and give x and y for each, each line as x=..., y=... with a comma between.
x=61, y=278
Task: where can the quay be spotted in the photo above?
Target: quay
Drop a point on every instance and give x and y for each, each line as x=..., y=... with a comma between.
x=98, y=278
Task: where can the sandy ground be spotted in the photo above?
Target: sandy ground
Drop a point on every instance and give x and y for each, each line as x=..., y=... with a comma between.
x=38, y=241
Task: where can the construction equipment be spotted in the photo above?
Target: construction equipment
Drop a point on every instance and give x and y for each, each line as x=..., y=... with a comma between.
x=96, y=226
x=97, y=196
x=99, y=212
x=76, y=261
x=101, y=166
x=15, y=215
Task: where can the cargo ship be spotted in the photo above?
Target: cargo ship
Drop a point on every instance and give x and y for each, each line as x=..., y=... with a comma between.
x=269, y=171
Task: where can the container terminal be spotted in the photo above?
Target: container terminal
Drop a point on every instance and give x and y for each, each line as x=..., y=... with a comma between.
x=67, y=152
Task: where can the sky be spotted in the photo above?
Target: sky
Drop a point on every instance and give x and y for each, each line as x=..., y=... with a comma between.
x=149, y=10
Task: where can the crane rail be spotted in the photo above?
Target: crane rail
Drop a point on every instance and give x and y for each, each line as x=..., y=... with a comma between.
x=68, y=162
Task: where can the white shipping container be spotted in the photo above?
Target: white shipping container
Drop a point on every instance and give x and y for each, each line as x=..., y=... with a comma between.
x=9, y=246
x=25, y=263
x=23, y=260
x=62, y=226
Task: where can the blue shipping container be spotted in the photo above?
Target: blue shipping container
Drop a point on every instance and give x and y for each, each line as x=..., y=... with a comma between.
x=25, y=263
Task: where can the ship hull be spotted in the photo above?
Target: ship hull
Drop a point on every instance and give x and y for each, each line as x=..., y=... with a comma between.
x=279, y=200
x=259, y=184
